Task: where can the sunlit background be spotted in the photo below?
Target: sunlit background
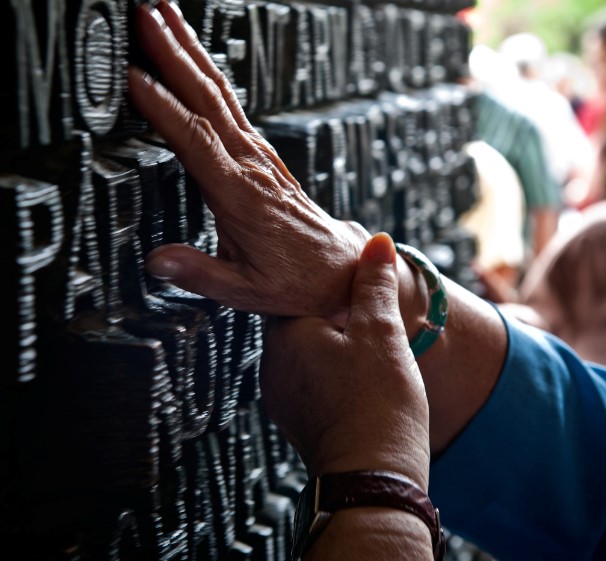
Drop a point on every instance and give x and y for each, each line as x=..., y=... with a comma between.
x=560, y=23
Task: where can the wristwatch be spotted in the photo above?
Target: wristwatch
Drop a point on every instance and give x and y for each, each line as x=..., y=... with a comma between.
x=324, y=495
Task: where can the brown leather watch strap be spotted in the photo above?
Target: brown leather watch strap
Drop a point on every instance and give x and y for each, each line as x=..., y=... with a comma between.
x=336, y=491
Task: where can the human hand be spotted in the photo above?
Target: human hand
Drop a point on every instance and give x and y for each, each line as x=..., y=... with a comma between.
x=278, y=252
x=353, y=398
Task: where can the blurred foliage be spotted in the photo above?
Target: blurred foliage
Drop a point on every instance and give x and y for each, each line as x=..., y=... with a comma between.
x=560, y=23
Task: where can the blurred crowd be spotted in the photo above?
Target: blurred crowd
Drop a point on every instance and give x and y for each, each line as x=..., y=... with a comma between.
x=540, y=154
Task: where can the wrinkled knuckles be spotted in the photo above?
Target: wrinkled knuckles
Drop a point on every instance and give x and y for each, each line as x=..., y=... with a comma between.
x=225, y=86
x=263, y=144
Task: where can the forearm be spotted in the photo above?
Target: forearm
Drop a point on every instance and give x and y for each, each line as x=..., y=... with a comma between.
x=373, y=534
x=463, y=365
x=544, y=225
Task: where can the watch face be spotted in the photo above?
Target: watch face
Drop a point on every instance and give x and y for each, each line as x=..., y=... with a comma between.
x=304, y=517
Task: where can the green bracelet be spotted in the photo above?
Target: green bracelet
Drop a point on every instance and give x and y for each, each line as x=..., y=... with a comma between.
x=438, y=302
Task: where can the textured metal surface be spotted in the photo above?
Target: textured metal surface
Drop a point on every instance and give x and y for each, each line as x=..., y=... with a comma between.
x=131, y=421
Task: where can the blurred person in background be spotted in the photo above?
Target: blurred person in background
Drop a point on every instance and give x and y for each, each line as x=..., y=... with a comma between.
x=593, y=115
x=496, y=219
x=594, y=52
x=570, y=155
x=569, y=75
x=518, y=141
x=564, y=290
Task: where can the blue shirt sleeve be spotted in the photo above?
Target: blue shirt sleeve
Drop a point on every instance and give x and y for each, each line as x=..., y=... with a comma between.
x=526, y=479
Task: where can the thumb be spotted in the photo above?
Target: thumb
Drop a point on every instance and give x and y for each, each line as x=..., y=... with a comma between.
x=374, y=294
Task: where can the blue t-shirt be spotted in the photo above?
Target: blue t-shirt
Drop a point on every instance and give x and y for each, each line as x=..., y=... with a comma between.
x=526, y=479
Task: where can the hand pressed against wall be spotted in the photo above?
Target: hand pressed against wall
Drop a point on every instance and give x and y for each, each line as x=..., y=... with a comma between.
x=278, y=252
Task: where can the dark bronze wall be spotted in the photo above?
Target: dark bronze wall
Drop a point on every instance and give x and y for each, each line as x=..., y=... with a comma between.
x=131, y=421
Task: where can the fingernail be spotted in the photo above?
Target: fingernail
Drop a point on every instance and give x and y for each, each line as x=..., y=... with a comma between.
x=163, y=268
x=174, y=7
x=381, y=249
x=172, y=13
x=155, y=13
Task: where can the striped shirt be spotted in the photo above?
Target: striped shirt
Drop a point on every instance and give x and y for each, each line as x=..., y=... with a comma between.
x=518, y=140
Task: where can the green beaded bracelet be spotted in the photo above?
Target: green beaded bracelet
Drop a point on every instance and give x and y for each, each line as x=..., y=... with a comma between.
x=438, y=302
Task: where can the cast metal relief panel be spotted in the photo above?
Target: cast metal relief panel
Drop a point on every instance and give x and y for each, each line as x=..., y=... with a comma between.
x=132, y=425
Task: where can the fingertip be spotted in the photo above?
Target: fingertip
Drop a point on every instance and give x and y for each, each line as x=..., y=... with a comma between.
x=163, y=267
x=176, y=21
x=148, y=8
x=380, y=249
x=168, y=8
x=150, y=26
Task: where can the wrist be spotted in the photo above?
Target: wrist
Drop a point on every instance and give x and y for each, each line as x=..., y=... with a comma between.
x=377, y=496
x=412, y=297
x=403, y=446
x=437, y=301
x=461, y=370
x=415, y=466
